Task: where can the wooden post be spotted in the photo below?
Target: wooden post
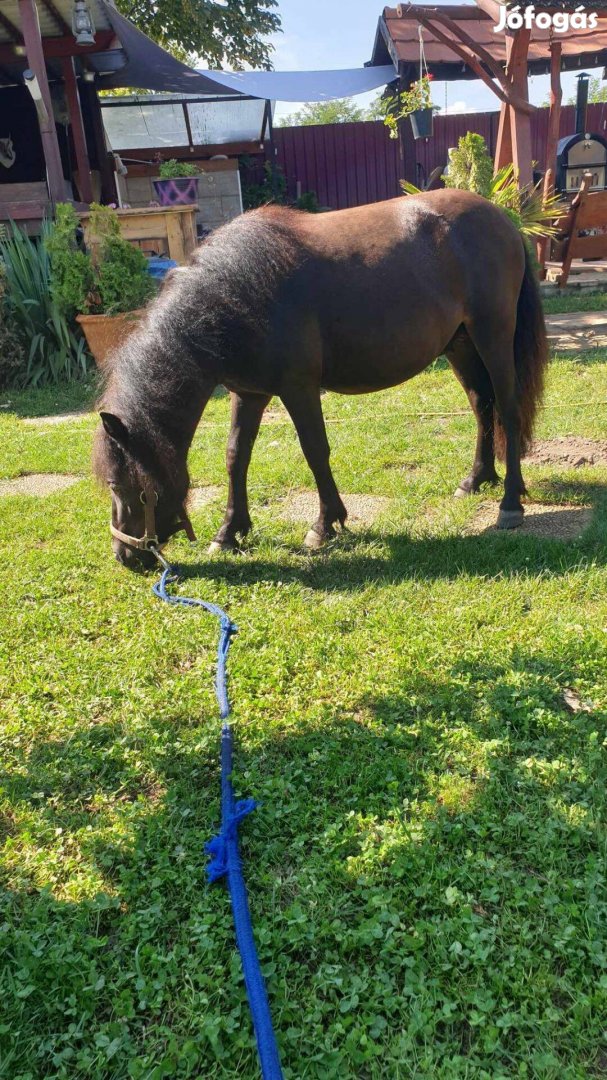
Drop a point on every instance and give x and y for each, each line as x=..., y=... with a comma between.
x=554, y=120
x=514, y=136
x=85, y=186
x=48, y=132
x=520, y=123
x=104, y=164
x=552, y=138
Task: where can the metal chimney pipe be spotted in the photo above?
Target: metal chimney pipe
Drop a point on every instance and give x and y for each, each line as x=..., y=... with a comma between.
x=581, y=105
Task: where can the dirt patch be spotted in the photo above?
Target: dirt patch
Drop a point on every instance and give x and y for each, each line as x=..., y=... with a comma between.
x=568, y=450
x=547, y=522
x=37, y=484
x=59, y=418
x=362, y=509
x=202, y=496
x=577, y=330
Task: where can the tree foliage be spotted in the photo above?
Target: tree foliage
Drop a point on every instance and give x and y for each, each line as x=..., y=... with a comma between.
x=596, y=92
x=219, y=32
x=339, y=111
x=470, y=165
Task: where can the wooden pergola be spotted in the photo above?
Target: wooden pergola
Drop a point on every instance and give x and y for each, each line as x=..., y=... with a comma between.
x=38, y=38
x=460, y=43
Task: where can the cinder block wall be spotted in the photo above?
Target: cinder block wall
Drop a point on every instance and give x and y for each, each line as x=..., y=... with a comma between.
x=219, y=193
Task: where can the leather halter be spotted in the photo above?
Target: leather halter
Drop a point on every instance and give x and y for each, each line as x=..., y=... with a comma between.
x=149, y=541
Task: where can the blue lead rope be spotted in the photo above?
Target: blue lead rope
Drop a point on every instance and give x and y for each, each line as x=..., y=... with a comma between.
x=223, y=849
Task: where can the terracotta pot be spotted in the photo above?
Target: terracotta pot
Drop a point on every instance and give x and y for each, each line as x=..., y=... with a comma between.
x=104, y=333
x=180, y=191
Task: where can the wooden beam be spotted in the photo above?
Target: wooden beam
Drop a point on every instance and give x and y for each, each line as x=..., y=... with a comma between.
x=48, y=131
x=503, y=146
x=506, y=94
x=12, y=30
x=136, y=158
x=85, y=187
x=58, y=17
x=426, y=16
x=59, y=47
x=491, y=8
x=188, y=126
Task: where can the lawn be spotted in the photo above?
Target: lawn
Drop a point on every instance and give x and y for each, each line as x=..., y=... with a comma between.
x=427, y=867
x=580, y=300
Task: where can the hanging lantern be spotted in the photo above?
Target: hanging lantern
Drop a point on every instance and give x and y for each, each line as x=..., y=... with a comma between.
x=82, y=24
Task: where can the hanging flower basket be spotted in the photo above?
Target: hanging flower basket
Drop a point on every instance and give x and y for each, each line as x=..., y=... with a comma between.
x=422, y=123
x=416, y=102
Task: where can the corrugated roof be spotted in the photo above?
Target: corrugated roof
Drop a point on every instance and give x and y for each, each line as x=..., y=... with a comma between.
x=151, y=122
x=398, y=40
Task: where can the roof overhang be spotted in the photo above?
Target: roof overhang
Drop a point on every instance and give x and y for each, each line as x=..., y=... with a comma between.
x=397, y=41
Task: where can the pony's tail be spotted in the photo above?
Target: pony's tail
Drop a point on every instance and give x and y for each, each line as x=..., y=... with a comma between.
x=530, y=358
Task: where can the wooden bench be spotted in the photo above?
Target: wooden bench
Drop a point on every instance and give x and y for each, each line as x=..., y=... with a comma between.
x=578, y=237
x=27, y=203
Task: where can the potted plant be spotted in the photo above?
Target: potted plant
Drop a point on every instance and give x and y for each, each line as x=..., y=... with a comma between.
x=104, y=289
x=178, y=184
x=416, y=102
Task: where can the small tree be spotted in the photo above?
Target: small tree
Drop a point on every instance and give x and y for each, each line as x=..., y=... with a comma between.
x=596, y=92
x=340, y=111
x=470, y=165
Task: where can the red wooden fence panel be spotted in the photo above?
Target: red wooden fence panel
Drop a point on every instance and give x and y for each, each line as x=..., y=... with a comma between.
x=352, y=164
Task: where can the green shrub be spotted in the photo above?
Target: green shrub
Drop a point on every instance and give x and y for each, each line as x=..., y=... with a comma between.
x=55, y=351
x=470, y=166
x=176, y=170
x=72, y=276
x=308, y=201
x=122, y=280
x=113, y=280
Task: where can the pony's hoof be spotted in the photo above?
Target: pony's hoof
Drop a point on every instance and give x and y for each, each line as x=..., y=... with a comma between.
x=462, y=492
x=217, y=546
x=510, y=519
x=313, y=541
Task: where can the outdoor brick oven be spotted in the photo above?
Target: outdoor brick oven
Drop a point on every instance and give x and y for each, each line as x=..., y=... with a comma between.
x=578, y=154
x=583, y=152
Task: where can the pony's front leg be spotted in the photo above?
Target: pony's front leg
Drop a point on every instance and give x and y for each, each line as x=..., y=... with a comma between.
x=305, y=409
x=247, y=411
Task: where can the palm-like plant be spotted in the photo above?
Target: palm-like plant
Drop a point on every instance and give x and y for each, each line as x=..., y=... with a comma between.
x=530, y=211
x=54, y=351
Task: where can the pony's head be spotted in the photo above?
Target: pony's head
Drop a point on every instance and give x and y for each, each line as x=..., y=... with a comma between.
x=148, y=491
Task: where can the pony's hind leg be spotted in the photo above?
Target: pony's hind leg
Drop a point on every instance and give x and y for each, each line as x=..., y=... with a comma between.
x=247, y=411
x=497, y=354
x=305, y=409
x=474, y=377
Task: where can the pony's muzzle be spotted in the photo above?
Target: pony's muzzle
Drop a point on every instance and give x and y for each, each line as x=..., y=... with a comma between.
x=132, y=558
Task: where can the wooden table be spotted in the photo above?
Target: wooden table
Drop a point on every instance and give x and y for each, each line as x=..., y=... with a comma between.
x=156, y=228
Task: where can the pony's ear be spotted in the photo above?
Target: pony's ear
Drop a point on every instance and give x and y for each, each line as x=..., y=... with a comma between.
x=115, y=428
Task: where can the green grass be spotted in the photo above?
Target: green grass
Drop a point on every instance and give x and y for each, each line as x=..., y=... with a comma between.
x=577, y=301
x=427, y=867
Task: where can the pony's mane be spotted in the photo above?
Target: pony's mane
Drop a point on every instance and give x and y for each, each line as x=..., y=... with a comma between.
x=216, y=303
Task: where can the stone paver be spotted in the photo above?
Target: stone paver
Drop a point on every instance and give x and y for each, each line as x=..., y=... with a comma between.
x=37, y=484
